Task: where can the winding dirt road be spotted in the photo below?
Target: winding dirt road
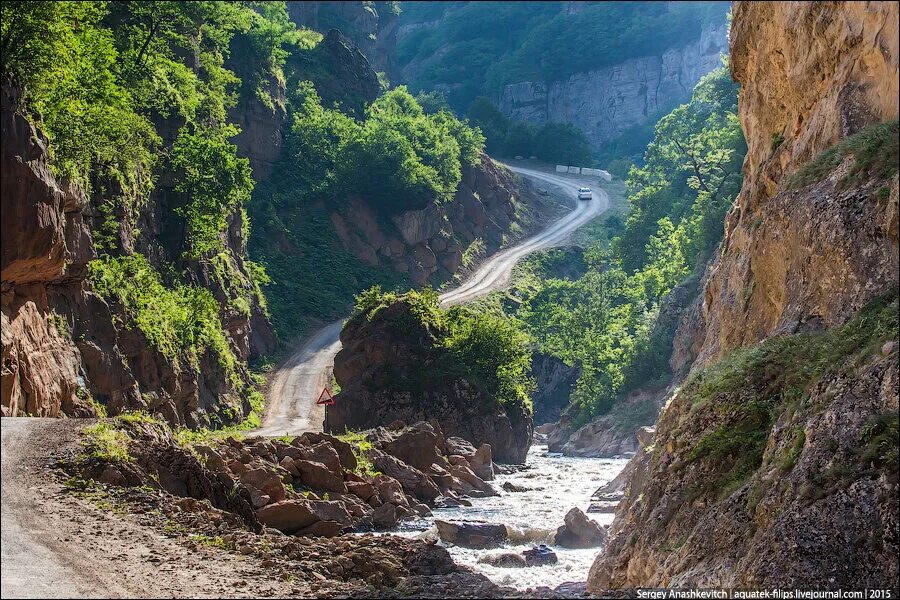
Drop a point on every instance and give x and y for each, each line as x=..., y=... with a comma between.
x=299, y=381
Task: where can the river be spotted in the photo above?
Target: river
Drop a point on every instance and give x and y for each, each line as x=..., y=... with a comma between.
x=556, y=483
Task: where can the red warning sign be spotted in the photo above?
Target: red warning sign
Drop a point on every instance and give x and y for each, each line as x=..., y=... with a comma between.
x=325, y=397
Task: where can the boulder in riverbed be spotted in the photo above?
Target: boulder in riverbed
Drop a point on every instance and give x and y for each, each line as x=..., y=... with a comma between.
x=579, y=531
x=472, y=535
x=509, y=560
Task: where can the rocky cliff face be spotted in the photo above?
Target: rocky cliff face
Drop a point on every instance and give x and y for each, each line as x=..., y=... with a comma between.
x=66, y=350
x=605, y=102
x=389, y=370
x=491, y=207
x=776, y=464
x=555, y=380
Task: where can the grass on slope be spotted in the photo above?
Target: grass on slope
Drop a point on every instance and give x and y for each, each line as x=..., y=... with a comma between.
x=748, y=390
x=875, y=151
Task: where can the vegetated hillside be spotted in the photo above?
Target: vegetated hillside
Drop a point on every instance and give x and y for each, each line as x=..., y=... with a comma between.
x=406, y=359
x=375, y=191
x=614, y=318
x=777, y=462
x=126, y=278
x=602, y=66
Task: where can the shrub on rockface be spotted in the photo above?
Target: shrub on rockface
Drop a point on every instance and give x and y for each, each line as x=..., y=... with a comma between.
x=399, y=157
x=489, y=350
x=744, y=394
x=181, y=322
x=405, y=358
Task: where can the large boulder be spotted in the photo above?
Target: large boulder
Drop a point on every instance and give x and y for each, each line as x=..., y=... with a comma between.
x=472, y=535
x=288, y=517
x=419, y=446
x=414, y=481
x=342, y=448
x=481, y=487
x=383, y=379
x=322, y=452
x=385, y=516
x=579, y=531
x=266, y=481
x=318, y=477
x=331, y=511
x=389, y=490
x=361, y=489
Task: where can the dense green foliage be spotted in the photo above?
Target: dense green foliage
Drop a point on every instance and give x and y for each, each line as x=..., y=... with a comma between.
x=99, y=78
x=488, y=350
x=560, y=143
x=215, y=181
x=604, y=319
x=181, y=321
x=690, y=176
x=399, y=157
x=874, y=150
x=477, y=47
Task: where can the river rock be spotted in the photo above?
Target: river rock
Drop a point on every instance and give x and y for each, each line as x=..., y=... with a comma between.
x=509, y=560
x=419, y=446
x=389, y=490
x=579, y=531
x=343, y=449
x=481, y=462
x=288, y=517
x=512, y=487
x=414, y=481
x=471, y=535
x=323, y=529
x=319, y=477
x=481, y=488
x=266, y=481
x=361, y=489
x=385, y=516
x=603, y=506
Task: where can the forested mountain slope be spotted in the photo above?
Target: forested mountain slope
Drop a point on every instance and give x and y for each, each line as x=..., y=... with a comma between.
x=776, y=463
x=149, y=148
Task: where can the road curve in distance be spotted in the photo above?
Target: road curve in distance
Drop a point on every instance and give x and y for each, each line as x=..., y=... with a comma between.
x=291, y=406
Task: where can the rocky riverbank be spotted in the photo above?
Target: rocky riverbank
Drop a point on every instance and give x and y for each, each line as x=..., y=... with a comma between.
x=308, y=508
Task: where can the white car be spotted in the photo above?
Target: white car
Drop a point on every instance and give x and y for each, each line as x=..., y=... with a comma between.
x=585, y=194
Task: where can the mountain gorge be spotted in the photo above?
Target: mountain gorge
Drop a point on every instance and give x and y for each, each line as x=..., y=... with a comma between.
x=594, y=65
x=127, y=280
x=213, y=210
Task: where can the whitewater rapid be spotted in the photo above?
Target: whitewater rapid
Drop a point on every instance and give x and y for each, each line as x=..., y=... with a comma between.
x=557, y=483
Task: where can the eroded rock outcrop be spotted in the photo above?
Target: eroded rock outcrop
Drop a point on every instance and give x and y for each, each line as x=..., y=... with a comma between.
x=387, y=372
x=490, y=204
x=771, y=466
x=66, y=349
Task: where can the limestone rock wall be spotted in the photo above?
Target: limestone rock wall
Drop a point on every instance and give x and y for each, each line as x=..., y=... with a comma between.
x=605, y=102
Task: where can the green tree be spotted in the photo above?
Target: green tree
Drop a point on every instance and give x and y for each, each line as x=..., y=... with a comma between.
x=215, y=182
x=691, y=173
x=494, y=124
x=562, y=143
x=520, y=139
